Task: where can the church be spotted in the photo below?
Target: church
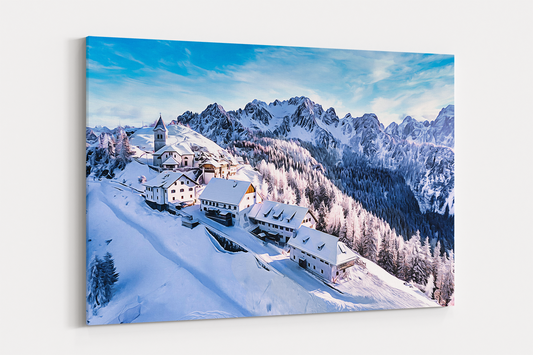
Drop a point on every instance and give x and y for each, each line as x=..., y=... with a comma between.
x=172, y=156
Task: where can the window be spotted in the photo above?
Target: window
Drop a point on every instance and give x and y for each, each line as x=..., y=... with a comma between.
x=190, y=188
x=173, y=198
x=182, y=183
x=337, y=273
x=186, y=163
x=191, y=196
x=314, y=267
x=233, y=215
x=248, y=197
x=314, y=257
x=308, y=265
x=294, y=257
x=187, y=180
x=181, y=190
x=172, y=191
x=322, y=271
x=182, y=197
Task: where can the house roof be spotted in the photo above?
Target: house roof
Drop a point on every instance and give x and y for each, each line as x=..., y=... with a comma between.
x=212, y=162
x=167, y=178
x=160, y=125
x=322, y=245
x=279, y=213
x=225, y=191
x=171, y=161
x=181, y=149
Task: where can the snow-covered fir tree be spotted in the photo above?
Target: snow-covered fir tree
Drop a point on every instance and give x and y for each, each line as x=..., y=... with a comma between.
x=102, y=277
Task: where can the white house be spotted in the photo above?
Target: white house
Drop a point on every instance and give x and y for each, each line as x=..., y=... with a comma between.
x=281, y=218
x=170, y=188
x=214, y=168
x=228, y=196
x=321, y=253
x=174, y=156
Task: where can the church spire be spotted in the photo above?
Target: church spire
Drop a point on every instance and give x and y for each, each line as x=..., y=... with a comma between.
x=160, y=125
x=160, y=134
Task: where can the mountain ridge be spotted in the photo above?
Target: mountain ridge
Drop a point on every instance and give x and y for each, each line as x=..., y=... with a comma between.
x=421, y=151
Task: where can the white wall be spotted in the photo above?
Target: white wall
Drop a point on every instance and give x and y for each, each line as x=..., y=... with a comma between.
x=42, y=71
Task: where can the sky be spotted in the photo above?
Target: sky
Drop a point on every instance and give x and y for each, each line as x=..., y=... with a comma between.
x=133, y=81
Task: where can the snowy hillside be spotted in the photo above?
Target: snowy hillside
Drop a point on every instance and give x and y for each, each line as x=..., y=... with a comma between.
x=168, y=272
x=144, y=138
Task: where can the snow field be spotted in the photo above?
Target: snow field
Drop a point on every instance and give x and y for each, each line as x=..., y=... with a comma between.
x=169, y=272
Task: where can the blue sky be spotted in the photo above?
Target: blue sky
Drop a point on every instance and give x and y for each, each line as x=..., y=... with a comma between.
x=130, y=81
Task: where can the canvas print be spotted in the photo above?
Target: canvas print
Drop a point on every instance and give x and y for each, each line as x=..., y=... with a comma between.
x=234, y=180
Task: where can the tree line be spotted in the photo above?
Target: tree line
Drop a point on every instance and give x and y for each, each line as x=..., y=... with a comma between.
x=292, y=175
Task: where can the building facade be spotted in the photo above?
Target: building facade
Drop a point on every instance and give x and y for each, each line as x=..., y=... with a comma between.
x=322, y=254
x=280, y=218
x=229, y=196
x=170, y=188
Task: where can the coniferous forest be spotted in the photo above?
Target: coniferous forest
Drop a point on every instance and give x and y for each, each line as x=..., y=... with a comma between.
x=371, y=209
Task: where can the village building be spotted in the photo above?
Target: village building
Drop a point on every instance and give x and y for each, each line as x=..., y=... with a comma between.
x=170, y=156
x=321, y=253
x=171, y=188
x=174, y=156
x=228, y=196
x=279, y=221
x=160, y=134
x=213, y=168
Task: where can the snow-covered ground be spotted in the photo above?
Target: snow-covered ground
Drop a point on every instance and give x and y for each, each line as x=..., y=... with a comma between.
x=169, y=272
x=144, y=138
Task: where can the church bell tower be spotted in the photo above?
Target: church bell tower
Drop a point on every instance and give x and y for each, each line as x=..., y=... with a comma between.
x=160, y=134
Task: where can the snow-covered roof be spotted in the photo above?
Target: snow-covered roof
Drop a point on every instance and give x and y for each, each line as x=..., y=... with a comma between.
x=181, y=149
x=279, y=213
x=225, y=191
x=212, y=162
x=322, y=245
x=184, y=148
x=167, y=178
x=171, y=161
x=160, y=125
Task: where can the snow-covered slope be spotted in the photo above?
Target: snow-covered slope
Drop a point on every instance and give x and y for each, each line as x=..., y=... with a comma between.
x=169, y=272
x=144, y=138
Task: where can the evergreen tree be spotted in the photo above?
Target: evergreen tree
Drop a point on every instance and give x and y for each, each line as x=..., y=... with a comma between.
x=416, y=261
x=430, y=286
x=110, y=275
x=102, y=277
x=322, y=215
x=403, y=267
x=386, y=255
x=369, y=243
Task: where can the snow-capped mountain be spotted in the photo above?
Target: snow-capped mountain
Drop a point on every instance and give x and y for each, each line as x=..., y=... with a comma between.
x=438, y=132
x=421, y=151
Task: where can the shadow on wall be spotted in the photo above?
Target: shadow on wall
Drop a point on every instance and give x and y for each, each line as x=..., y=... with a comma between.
x=75, y=184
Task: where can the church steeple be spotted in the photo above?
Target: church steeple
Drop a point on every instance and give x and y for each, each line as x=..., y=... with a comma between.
x=160, y=134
